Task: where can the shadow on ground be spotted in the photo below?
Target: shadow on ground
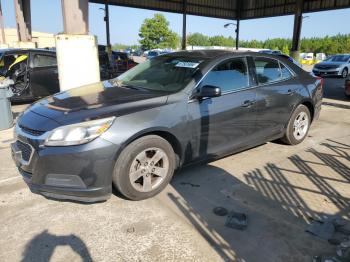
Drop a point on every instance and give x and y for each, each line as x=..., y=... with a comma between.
x=278, y=210
x=42, y=247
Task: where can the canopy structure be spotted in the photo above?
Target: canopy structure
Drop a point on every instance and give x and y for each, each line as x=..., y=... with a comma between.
x=231, y=9
x=75, y=13
x=236, y=10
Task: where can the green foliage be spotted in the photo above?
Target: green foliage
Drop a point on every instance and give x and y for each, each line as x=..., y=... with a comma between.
x=220, y=40
x=155, y=33
x=118, y=46
x=285, y=50
x=329, y=45
x=198, y=39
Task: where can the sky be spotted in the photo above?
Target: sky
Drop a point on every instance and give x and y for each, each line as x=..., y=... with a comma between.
x=125, y=22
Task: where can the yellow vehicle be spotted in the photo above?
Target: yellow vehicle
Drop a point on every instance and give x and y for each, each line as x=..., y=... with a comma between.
x=308, y=59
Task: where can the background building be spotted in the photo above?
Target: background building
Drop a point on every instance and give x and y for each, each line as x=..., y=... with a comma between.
x=39, y=39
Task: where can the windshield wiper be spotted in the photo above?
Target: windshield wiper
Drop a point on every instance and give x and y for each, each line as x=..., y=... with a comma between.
x=133, y=87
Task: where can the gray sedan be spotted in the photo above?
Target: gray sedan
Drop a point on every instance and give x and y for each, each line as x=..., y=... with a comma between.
x=337, y=65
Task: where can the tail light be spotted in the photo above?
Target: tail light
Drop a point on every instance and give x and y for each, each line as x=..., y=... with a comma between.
x=321, y=80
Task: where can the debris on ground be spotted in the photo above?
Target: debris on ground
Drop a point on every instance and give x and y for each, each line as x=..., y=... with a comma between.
x=220, y=211
x=236, y=220
x=336, y=231
x=327, y=228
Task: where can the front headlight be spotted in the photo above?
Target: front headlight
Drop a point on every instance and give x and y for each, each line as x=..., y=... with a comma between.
x=78, y=134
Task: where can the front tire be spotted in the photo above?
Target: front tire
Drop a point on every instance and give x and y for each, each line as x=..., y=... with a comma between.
x=344, y=73
x=144, y=168
x=298, y=126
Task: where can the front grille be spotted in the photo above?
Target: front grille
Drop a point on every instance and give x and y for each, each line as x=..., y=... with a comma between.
x=25, y=149
x=31, y=131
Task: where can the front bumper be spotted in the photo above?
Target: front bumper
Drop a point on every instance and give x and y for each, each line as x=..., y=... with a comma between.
x=326, y=72
x=79, y=173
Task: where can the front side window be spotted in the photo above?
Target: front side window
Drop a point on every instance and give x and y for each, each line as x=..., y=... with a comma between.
x=44, y=60
x=285, y=72
x=230, y=75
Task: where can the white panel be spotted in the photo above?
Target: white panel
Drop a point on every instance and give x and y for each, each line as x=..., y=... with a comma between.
x=77, y=59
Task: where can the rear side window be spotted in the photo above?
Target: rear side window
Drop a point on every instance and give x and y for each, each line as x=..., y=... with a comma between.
x=285, y=72
x=44, y=60
x=230, y=75
x=270, y=70
x=267, y=70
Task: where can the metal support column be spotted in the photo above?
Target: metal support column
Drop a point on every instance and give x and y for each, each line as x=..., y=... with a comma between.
x=184, y=25
x=3, y=38
x=109, y=47
x=298, y=20
x=23, y=20
x=238, y=10
x=237, y=34
x=75, y=16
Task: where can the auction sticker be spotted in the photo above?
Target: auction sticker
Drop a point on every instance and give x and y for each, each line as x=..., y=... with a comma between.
x=187, y=64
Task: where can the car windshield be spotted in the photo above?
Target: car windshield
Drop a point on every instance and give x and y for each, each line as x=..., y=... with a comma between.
x=153, y=53
x=163, y=73
x=340, y=58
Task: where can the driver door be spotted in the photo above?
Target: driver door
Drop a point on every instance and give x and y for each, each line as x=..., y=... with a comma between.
x=226, y=123
x=43, y=75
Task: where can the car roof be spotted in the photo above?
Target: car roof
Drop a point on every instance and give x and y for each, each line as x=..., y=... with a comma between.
x=216, y=53
x=20, y=50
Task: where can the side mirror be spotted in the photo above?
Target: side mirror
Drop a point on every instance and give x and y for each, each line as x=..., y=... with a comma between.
x=207, y=91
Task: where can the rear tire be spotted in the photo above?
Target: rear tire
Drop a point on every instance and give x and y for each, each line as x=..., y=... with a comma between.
x=144, y=168
x=298, y=126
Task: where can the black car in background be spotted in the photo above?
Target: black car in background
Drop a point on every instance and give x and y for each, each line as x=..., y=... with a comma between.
x=34, y=72
x=170, y=111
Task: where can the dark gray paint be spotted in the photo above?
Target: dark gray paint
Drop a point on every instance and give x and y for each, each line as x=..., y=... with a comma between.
x=199, y=130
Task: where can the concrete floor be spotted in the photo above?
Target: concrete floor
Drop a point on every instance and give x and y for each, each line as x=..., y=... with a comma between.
x=279, y=187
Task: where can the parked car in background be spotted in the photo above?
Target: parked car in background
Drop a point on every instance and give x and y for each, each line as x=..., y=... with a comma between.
x=173, y=110
x=34, y=72
x=307, y=59
x=320, y=57
x=123, y=61
x=153, y=53
x=270, y=52
x=107, y=68
x=336, y=65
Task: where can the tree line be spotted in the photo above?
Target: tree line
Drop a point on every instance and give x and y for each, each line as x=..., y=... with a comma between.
x=155, y=33
x=329, y=44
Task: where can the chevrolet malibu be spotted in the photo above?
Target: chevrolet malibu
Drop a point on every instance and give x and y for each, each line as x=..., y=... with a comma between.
x=337, y=65
x=132, y=132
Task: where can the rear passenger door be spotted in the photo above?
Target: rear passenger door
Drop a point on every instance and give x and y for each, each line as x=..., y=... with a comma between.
x=222, y=124
x=276, y=95
x=43, y=74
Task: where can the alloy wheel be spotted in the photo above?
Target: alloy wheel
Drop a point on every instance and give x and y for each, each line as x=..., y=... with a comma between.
x=300, y=126
x=148, y=169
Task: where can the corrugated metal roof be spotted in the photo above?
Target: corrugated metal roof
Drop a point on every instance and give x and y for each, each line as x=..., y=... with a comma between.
x=227, y=9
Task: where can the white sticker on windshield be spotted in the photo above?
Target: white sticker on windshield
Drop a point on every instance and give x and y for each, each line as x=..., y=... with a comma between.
x=187, y=64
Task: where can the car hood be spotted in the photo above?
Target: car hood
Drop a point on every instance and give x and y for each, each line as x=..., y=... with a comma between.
x=95, y=101
x=330, y=63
